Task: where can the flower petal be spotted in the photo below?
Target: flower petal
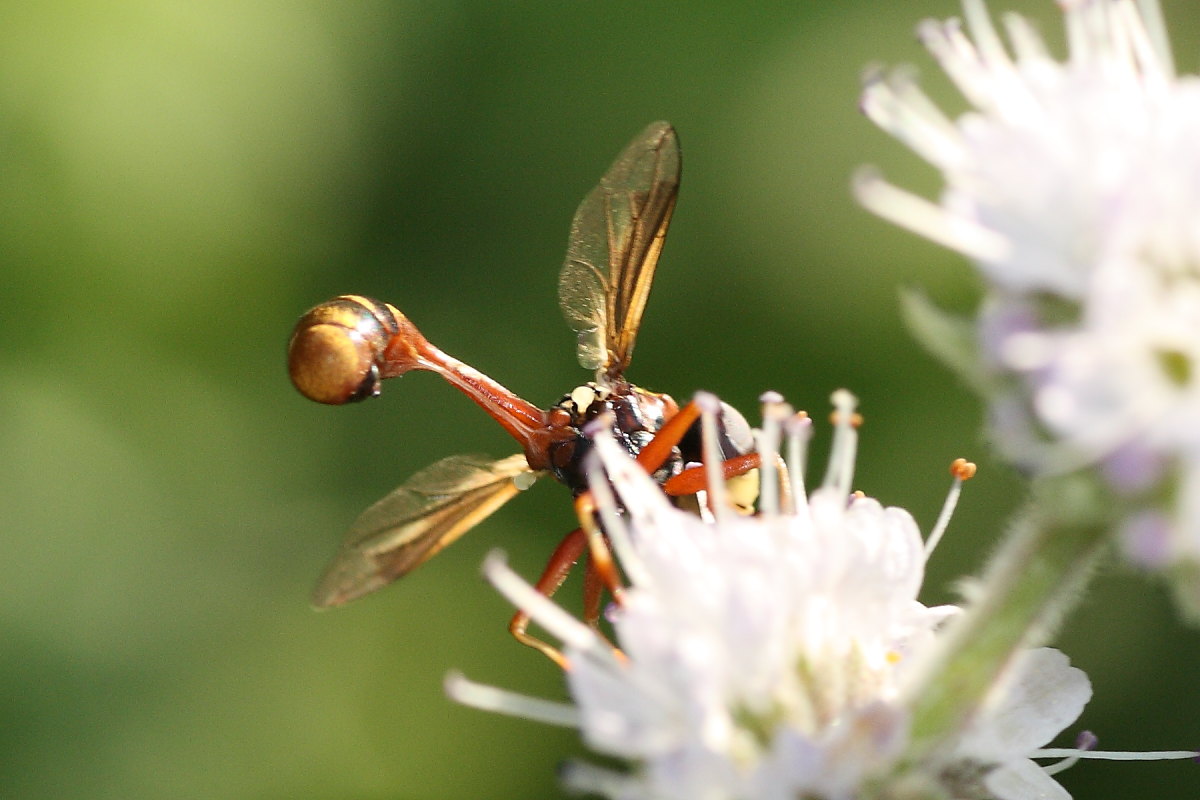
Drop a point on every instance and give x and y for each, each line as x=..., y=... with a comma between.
x=1042, y=694
x=1023, y=780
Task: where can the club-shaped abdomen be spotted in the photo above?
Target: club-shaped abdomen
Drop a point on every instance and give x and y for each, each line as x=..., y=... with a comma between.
x=337, y=349
x=342, y=350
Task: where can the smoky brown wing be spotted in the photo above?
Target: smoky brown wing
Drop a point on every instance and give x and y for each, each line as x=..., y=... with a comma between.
x=415, y=521
x=616, y=238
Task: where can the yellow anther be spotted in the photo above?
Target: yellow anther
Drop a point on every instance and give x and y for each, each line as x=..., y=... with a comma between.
x=835, y=417
x=962, y=469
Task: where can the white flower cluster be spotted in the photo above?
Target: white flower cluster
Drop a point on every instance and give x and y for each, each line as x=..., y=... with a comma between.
x=773, y=656
x=1075, y=188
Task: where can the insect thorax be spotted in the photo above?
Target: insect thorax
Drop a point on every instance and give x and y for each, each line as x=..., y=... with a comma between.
x=636, y=416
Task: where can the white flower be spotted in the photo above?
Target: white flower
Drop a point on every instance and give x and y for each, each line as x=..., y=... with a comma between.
x=772, y=656
x=1042, y=695
x=1075, y=188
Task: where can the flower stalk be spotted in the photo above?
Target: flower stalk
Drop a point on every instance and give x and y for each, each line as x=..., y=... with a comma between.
x=1034, y=579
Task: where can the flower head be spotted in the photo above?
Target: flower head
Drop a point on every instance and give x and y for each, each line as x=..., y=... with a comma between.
x=774, y=656
x=1075, y=188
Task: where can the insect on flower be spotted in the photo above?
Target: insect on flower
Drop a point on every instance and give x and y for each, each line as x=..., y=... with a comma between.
x=341, y=350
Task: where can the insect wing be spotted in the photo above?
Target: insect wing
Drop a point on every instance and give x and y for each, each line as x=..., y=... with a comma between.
x=616, y=238
x=413, y=523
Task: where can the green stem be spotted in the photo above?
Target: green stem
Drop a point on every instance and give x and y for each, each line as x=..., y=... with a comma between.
x=1030, y=584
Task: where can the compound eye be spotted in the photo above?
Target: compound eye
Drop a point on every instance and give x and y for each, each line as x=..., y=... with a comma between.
x=331, y=363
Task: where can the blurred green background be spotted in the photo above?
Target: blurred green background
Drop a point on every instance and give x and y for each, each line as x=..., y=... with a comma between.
x=179, y=182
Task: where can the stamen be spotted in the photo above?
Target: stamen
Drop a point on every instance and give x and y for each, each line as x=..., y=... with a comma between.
x=987, y=42
x=895, y=103
x=799, y=431
x=1156, y=32
x=938, y=38
x=927, y=219
x=959, y=58
x=489, y=698
x=1117, y=755
x=839, y=475
x=1141, y=43
x=1084, y=745
x=1085, y=741
x=587, y=506
x=1026, y=43
x=605, y=504
x=774, y=411
x=623, y=475
x=710, y=408
x=540, y=608
x=1120, y=37
x=962, y=470
x=1077, y=44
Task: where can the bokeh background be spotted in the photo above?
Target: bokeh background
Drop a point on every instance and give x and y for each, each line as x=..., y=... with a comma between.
x=180, y=181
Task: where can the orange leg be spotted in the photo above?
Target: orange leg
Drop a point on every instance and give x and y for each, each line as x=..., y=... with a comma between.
x=695, y=479
x=658, y=450
x=650, y=458
x=601, y=572
x=565, y=556
x=557, y=568
x=593, y=595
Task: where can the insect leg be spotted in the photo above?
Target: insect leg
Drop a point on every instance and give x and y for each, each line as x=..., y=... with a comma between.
x=695, y=479
x=650, y=458
x=593, y=595
x=601, y=572
x=573, y=545
x=656, y=452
